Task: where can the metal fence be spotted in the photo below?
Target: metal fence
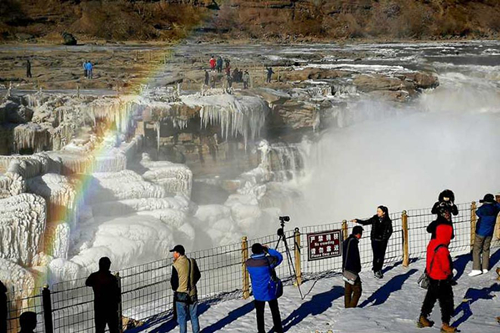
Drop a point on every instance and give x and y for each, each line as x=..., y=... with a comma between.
x=147, y=299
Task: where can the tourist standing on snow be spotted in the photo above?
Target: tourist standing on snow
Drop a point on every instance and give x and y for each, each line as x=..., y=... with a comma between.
x=485, y=227
x=106, y=297
x=444, y=208
x=439, y=268
x=213, y=63
x=351, y=261
x=269, y=74
x=381, y=232
x=265, y=287
x=28, y=68
x=185, y=276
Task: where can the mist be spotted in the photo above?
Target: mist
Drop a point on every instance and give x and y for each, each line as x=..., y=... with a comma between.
x=448, y=138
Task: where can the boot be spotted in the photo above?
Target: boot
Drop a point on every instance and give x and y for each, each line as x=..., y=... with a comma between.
x=446, y=328
x=424, y=322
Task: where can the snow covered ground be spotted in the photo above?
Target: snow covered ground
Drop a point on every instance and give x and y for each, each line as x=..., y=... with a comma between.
x=388, y=305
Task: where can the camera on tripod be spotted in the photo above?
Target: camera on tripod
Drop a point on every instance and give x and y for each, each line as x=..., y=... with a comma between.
x=283, y=220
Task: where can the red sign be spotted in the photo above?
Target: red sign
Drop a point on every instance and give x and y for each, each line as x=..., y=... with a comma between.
x=323, y=245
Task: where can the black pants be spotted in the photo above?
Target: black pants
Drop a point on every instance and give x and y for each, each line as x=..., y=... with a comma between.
x=378, y=248
x=439, y=290
x=275, y=311
x=352, y=294
x=106, y=316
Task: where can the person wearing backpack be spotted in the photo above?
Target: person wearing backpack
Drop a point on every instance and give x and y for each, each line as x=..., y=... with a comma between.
x=351, y=266
x=439, y=268
x=185, y=276
x=266, y=287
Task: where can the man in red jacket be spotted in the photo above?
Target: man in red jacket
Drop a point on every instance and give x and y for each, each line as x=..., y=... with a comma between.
x=439, y=269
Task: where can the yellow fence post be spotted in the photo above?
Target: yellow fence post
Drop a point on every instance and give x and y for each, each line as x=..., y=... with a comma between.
x=298, y=258
x=245, y=276
x=345, y=232
x=406, y=241
x=473, y=219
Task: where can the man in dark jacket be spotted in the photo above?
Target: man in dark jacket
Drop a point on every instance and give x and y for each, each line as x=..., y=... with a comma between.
x=439, y=268
x=260, y=267
x=106, y=297
x=381, y=232
x=219, y=64
x=185, y=276
x=3, y=308
x=351, y=261
x=485, y=227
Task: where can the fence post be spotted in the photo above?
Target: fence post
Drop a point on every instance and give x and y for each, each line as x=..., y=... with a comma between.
x=244, y=272
x=47, y=310
x=298, y=258
x=345, y=232
x=497, y=232
x=406, y=241
x=473, y=220
x=119, y=314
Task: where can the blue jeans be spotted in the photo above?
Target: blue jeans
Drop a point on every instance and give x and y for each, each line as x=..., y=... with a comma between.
x=185, y=311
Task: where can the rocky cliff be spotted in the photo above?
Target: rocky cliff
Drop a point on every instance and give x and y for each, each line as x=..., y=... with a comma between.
x=283, y=20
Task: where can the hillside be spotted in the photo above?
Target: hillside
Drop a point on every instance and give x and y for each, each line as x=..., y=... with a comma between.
x=277, y=20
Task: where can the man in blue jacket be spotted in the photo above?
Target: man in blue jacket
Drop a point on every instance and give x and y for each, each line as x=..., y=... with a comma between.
x=485, y=227
x=260, y=267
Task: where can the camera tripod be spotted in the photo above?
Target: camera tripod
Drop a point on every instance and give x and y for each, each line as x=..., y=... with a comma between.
x=282, y=238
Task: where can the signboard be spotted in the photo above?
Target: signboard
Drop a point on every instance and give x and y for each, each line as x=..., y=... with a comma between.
x=324, y=245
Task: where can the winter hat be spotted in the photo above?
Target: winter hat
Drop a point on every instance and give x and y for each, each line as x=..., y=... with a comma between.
x=488, y=198
x=257, y=248
x=179, y=249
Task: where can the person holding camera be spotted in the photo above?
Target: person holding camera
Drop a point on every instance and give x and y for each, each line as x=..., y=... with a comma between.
x=380, y=234
x=106, y=297
x=185, y=276
x=351, y=266
x=265, y=285
x=444, y=208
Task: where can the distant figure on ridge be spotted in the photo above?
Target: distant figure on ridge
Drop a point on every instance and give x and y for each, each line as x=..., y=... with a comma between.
x=246, y=79
x=207, y=78
x=28, y=68
x=106, y=297
x=269, y=74
x=212, y=63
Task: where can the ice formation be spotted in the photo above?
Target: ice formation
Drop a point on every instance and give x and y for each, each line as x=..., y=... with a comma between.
x=22, y=226
x=243, y=115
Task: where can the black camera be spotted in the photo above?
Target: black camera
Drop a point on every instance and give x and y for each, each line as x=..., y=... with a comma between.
x=284, y=219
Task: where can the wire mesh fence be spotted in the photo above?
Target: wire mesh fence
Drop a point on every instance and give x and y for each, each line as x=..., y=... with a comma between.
x=146, y=295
